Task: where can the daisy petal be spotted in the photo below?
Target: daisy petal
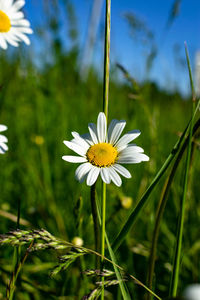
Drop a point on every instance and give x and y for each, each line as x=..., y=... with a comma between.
x=111, y=127
x=76, y=148
x=18, y=4
x=21, y=22
x=131, y=150
x=105, y=175
x=2, y=151
x=80, y=141
x=4, y=147
x=74, y=159
x=116, y=132
x=121, y=170
x=93, y=132
x=3, y=43
x=127, y=138
x=82, y=171
x=137, y=158
x=92, y=175
x=101, y=127
x=87, y=138
x=3, y=128
x=3, y=139
x=114, y=176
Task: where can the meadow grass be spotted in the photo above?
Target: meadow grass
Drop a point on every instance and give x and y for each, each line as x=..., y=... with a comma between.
x=41, y=107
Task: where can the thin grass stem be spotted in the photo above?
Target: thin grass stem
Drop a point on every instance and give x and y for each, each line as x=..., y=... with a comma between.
x=103, y=212
x=160, y=211
x=96, y=223
x=177, y=256
x=118, y=269
x=18, y=227
x=106, y=58
x=137, y=210
x=11, y=287
x=105, y=110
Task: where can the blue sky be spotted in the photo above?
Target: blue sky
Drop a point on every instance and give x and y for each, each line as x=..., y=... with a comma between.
x=130, y=52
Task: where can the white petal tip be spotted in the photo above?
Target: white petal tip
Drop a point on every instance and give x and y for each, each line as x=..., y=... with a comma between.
x=3, y=128
x=66, y=143
x=145, y=157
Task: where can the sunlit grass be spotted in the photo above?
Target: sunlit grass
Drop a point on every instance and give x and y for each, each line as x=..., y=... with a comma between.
x=40, y=109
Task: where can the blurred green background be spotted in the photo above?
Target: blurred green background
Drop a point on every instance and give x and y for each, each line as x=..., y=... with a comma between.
x=41, y=102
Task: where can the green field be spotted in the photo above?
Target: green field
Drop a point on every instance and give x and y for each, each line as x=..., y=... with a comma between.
x=41, y=107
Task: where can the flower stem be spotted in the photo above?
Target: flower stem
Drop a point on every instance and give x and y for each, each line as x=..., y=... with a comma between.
x=96, y=225
x=105, y=110
x=103, y=212
x=106, y=58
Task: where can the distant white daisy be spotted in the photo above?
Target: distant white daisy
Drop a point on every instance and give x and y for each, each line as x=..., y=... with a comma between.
x=102, y=152
x=3, y=140
x=13, y=25
x=192, y=292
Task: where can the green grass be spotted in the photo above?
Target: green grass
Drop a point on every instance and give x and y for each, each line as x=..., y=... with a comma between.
x=49, y=104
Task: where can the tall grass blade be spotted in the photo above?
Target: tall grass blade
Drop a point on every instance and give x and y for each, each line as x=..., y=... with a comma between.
x=122, y=285
x=177, y=255
x=161, y=207
x=135, y=213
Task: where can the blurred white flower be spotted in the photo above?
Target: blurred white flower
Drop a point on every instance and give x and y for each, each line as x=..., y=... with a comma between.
x=13, y=26
x=102, y=152
x=3, y=140
x=192, y=292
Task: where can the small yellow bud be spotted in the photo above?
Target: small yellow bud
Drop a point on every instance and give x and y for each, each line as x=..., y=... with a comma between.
x=38, y=140
x=126, y=202
x=77, y=241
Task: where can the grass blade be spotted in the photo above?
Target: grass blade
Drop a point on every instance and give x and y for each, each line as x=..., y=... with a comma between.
x=135, y=213
x=177, y=256
x=123, y=288
x=161, y=207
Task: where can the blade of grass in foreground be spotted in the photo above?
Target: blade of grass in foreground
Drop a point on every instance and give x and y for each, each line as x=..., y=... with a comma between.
x=117, y=268
x=135, y=213
x=123, y=288
x=177, y=256
x=162, y=204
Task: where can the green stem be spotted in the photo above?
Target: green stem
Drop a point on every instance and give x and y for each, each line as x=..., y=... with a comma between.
x=105, y=110
x=118, y=269
x=177, y=257
x=106, y=58
x=18, y=212
x=18, y=249
x=103, y=212
x=11, y=287
x=161, y=208
x=96, y=225
x=137, y=210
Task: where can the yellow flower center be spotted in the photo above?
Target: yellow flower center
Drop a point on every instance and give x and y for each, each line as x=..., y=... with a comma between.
x=102, y=155
x=5, y=24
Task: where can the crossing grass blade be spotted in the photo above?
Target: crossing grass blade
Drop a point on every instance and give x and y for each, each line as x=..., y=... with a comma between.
x=117, y=268
x=137, y=210
x=179, y=238
x=122, y=285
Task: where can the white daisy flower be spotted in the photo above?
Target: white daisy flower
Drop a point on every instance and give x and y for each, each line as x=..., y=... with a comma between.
x=101, y=152
x=3, y=140
x=13, y=26
x=192, y=292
